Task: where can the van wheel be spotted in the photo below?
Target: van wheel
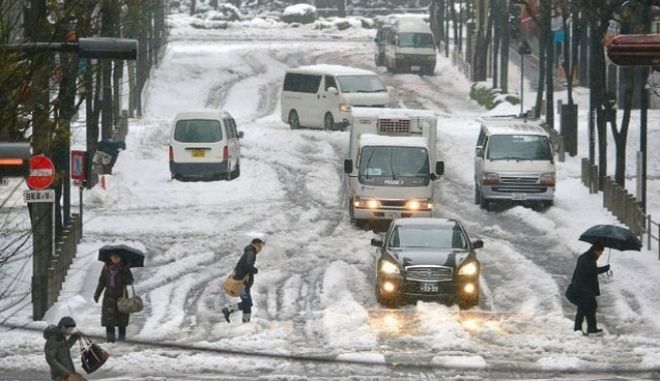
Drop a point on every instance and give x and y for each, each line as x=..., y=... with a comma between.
x=483, y=202
x=328, y=121
x=236, y=172
x=294, y=121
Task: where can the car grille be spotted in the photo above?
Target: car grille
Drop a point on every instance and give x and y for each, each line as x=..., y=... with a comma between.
x=394, y=126
x=393, y=203
x=429, y=274
x=519, y=184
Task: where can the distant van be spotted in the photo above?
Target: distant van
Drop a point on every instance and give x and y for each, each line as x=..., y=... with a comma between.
x=205, y=144
x=381, y=41
x=410, y=48
x=321, y=96
x=514, y=162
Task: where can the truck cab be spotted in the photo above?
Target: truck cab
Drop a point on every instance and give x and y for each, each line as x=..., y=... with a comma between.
x=391, y=163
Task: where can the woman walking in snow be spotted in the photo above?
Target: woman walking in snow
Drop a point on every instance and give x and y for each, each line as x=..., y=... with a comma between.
x=115, y=277
x=245, y=270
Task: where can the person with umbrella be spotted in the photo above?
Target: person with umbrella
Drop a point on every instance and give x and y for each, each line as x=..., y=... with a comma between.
x=115, y=277
x=586, y=288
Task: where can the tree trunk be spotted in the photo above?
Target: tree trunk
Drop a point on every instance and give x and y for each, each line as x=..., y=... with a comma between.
x=549, y=65
x=341, y=8
x=496, y=20
x=542, y=73
x=621, y=137
x=504, y=54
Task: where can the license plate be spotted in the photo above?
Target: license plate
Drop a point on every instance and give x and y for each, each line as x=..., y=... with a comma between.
x=518, y=196
x=415, y=68
x=198, y=153
x=429, y=287
x=392, y=215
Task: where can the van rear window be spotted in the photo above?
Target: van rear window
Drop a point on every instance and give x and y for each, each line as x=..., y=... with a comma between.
x=415, y=40
x=198, y=131
x=302, y=83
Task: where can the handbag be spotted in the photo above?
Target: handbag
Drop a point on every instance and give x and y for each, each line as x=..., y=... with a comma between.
x=570, y=294
x=129, y=305
x=91, y=355
x=232, y=286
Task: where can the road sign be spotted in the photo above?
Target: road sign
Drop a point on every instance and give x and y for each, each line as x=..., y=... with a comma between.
x=42, y=172
x=47, y=195
x=78, y=172
x=634, y=49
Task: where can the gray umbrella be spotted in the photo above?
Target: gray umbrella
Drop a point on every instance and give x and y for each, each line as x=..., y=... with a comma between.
x=131, y=256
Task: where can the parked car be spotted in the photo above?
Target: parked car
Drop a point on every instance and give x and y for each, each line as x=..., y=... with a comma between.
x=514, y=163
x=427, y=258
x=381, y=40
x=205, y=145
x=321, y=96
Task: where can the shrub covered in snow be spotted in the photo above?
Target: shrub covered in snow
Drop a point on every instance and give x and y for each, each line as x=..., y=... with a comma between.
x=489, y=97
x=299, y=13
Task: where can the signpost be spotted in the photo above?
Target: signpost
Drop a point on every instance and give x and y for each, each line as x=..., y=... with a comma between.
x=42, y=173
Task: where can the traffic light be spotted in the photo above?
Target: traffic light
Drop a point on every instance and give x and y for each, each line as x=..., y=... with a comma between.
x=15, y=159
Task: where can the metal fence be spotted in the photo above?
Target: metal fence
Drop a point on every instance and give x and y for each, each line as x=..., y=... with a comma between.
x=65, y=250
x=624, y=206
x=650, y=227
x=590, y=176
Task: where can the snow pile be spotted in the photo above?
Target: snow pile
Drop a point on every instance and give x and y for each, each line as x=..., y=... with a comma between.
x=299, y=13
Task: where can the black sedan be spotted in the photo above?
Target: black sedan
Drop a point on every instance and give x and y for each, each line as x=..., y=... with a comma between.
x=427, y=258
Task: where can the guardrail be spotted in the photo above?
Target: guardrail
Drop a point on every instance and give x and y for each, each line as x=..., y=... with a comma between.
x=624, y=206
x=590, y=176
x=649, y=232
x=65, y=250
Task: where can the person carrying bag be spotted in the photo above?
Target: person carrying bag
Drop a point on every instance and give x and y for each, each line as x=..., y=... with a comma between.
x=242, y=280
x=92, y=355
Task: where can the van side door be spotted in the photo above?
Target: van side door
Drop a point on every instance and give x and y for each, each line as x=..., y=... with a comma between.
x=329, y=99
x=312, y=101
x=479, y=156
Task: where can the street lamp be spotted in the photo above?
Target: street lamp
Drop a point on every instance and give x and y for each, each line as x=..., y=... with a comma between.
x=523, y=50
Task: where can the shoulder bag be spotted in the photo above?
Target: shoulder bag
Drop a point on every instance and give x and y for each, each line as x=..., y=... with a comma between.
x=232, y=286
x=91, y=355
x=129, y=305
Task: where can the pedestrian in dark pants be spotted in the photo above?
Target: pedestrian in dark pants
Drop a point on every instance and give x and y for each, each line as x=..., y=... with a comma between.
x=585, y=283
x=115, y=277
x=245, y=270
x=59, y=340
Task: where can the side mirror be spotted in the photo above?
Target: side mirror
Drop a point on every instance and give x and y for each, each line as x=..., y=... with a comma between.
x=333, y=90
x=479, y=151
x=478, y=244
x=240, y=134
x=439, y=168
x=348, y=166
x=376, y=242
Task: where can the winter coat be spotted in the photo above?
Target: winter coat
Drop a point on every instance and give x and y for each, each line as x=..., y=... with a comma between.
x=110, y=315
x=245, y=265
x=585, y=276
x=58, y=351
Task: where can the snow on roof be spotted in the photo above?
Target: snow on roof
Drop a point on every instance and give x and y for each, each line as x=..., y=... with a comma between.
x=390, y=113
x=299, y=10
x=202, y=114
x=413, y=27
x=332, y=69
x=513, y=125
x=425, y=221
x=389, y=141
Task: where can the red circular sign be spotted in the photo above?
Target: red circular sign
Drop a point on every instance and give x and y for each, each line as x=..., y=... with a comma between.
x=42, y=172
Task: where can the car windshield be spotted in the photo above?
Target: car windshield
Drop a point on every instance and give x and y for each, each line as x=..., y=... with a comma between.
x=432, y=237
x=360, y=84
x=198, y=131
x=394, y=162
x=519, y=147
x=415, y=40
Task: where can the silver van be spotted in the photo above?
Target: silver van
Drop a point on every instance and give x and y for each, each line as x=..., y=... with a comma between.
x=205, y=145
x=410, y=48
x=514, y=162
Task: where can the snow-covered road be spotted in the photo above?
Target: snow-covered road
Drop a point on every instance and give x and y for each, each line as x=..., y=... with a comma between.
x=314, y=291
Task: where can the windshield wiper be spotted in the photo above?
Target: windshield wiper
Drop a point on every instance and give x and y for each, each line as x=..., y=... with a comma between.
x=369, y=162
x=392, y=166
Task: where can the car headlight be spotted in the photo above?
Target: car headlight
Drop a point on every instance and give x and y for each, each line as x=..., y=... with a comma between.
x=344, y=107
x=547, y=179
x=387, y=267
x=419, y=204
x=370, y=203
x=490, y=178
x=469, y=269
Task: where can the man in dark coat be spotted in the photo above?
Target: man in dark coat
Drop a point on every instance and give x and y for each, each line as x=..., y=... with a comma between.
x=58, y=348
x=115, y=277
x=585, y=284
x=245, y=270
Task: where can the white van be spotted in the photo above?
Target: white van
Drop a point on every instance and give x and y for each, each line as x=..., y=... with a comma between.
x=321, y=96
x=410, y=47
x=205, y=144
x=514, y=162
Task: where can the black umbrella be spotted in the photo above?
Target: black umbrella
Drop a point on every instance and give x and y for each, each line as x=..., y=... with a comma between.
x=131, y=256
x=614, y=237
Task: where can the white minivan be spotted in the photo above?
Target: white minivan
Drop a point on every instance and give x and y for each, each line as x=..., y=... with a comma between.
x=321, y=96
x=514, y=162
x=410, y=48
x=205, y=144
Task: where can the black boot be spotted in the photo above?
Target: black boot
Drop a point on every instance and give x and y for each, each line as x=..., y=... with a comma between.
x=110, y=334
x=122, y=334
